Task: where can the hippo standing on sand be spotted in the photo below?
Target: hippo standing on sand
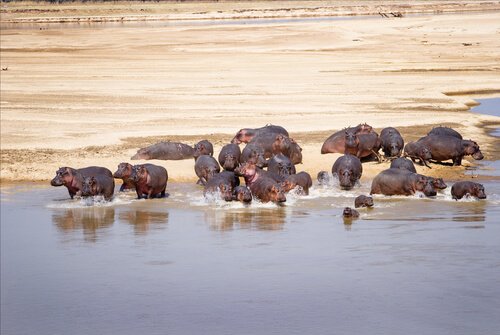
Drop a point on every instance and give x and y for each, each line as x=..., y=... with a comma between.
x=418, y=150
x=73, y=178
x=401, y=182
x=336, y=142
x=205, y=168
x=150, y=181
x=392, y=142
x=362, y=145
x=98, y=185
x=446, y=131
x=464, y=188
x=348, y=169
x=124, y=172
x=229, y=157
x=165, y=151
x=444, y=147
x=246, y=135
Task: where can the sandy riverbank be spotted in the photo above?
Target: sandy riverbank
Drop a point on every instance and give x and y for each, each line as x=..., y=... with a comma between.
x=93, y=95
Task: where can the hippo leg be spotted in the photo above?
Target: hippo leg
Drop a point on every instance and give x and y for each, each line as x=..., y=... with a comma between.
x=424, y=162
x=122, y=188
x=457, y=161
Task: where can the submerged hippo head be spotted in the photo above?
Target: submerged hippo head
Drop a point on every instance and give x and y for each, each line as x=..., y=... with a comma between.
x=363, y=201
x=350, y=213
x=124, y=171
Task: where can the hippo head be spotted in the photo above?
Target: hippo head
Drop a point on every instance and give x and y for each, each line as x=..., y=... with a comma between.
x=346, y=179
x=141, y=154
x=295, y=152
x=425, y=153
x=363, y=201
x=139, y=172
x=226, y=191
x=89, y=186
x=248, y=170
x=281, y=143
x=242, y=194
x=350, y=213
x=350, y=139
x=244, y=135
x=472, y=148
x=394, y=150
x=276, y=193
x=478, y=191
x=64, y=176
x=364, y=128
x=230, y=162
x=203, y=148
x=288, y=185
x=424, y=184
x=323, y=177
x=438, y=183
x=257, y=157
x=124, y=171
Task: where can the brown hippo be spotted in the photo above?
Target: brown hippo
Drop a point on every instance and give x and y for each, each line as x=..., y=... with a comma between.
x=223, y=183
x=255, y=153
x=301, y=179
x=98, y=185
x=363, y=201
x=229, y=157
x=272, y=144
x=246, y=135
x=266, y=189
x=165, y=151
x=447, y=131
x=324, y=178
x=418, y=150
x=203, y=147
x=73, y=178
x=467, y=188
x=362, y=145
x=349, y=213
x=294, y=152
x=281, y=165
x=348, y=169
x=392, y=142
x=124, y=172
x=336, y=142
x=443, y=147
x=242, y=194
x=205, y=167
x=403, y=163
x=401, y=182
x=437, y=183
x=150, y=180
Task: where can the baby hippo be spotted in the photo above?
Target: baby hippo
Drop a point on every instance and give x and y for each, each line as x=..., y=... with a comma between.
x=392, y=142
x=349, y=214
x=98, y=185
x=229, y=157
x=464, y=188
x=301, y=179
x=363, y=201
x=417, y=150
x=124, y=172
x=150, y=180
x=242, y=194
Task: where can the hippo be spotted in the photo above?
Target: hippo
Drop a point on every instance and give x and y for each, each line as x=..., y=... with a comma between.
x=255, y=153
x=443, y=147
x=336, y=142
x=224, y=183
x=447, y=131
x=418, y=150
x=363, y=201
x=203, y=147
x=73, y=178
x=272, y=144
x=246, y=135
x=324, y=178
x=242, y=194
x=392, y=142
x=124, y=172
x=301, y=179
x=401, y=182
x=348, y=169
x=266, y=189
x=438, y=183
x=349, y=213
x=403, y=163
x=229, y=157
x=205, y=167
x=362, y=145
x=294, y=152
x=98, y=185
x=150, y=181
x=281, y=165
x=165, y=151
x=467, y=188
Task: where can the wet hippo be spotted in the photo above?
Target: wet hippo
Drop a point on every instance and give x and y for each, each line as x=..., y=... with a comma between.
x=150, y=180
x=302, y=179
x=447, y=131
x=281, y=165
x=349, y=213
x=246, y=135
x=223, y=183
x=294, y=152
x=418, y=150
x=165, y=151
x=229, y=157
x=438, y=183
x=401, y=182
x=467, y=188
x=124, y=172
x=336, y=142
x=255, y=153
x=363, y=201
x=348, y=169
x=266, y=189
x=362, y=145
x=392, y=142
x=205, y=167
x=203, y=147
x=324, y=178
x=73, y=178
x=403, y=163
x=444, y=147
x=242, y=194
x=98, y=185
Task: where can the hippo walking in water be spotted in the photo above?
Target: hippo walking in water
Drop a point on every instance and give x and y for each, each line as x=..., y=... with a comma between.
x=464, y=188
x=302, y=179
x=348, y=169
x=392, y=142
x=242, y=194
x=205, y=168
x=222, y=183
x=229, y=157
x=363, y=201
x=401, y=182
x=73, y=178
x=444, y=147
x=98, y=185
x=124, y=172
x=165, y=151
x=262, y=186
x=281, y=165
x=336, y=142
x=150, y=181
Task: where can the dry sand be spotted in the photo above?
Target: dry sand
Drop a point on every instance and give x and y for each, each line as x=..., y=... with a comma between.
x=92, y=94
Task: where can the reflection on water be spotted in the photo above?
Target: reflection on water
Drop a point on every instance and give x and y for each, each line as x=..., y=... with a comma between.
x=263, y=219
x=92, y=221
x=144, y=220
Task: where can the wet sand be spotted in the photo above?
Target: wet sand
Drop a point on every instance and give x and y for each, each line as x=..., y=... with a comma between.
x=93, y=96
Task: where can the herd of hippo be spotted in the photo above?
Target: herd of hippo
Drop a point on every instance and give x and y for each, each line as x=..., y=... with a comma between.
x=267, y=165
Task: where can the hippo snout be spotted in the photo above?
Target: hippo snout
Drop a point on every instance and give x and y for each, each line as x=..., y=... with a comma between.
x=56, y=182
x=478, y=155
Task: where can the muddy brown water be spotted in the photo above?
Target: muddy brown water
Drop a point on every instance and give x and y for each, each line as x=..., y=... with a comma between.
x=190, y=265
